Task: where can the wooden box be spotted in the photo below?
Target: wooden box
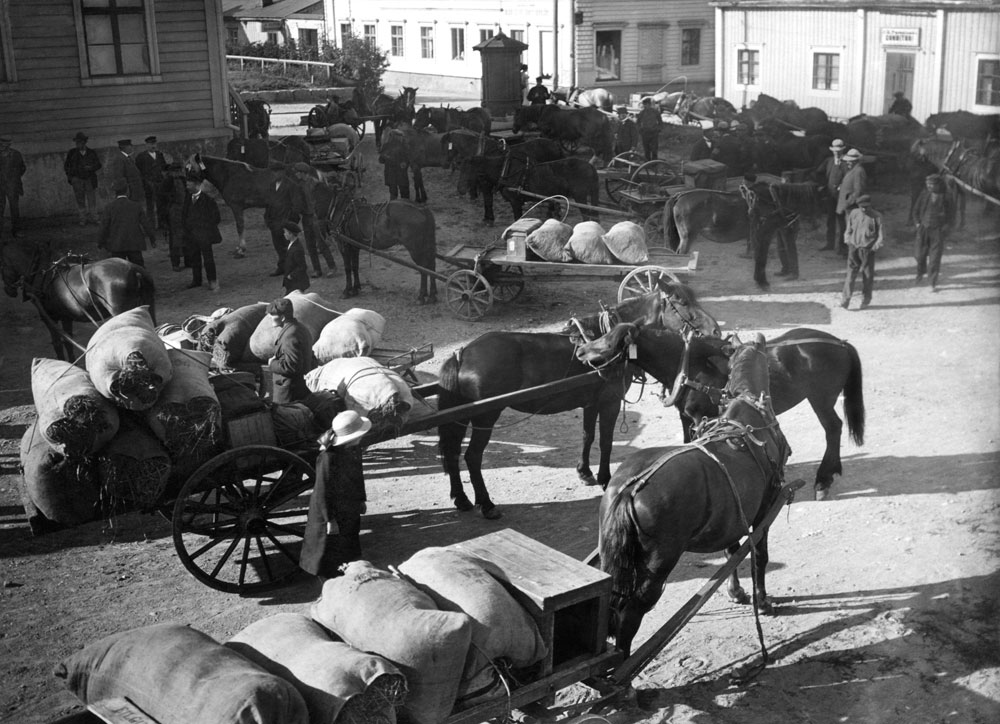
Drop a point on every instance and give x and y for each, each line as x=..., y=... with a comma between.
x=257, y=428
x=516, y=234
x=705, y=174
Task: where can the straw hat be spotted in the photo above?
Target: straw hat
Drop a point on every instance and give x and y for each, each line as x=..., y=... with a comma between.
x=838, y=145
x=349, y=426
x=852, y=155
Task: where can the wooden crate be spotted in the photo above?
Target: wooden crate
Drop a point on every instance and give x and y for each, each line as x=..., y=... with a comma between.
x=257, y=428
x=516, y=234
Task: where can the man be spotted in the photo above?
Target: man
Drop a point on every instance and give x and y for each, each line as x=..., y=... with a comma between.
x=174, y=190
x=123, y=226
x=830, y=173
x=626, y=132
x=539, y=94
x=296, y=272
x=650, y=121
x=901, y=106
x=152, y=164
x=395, y=175
x=864, y=236
x=315, y=242
x=286, y=203
x=81, y=167
x=293, y=355
x=933, y=214
x=200, y=223
x=702, y=148
x=524, y=84
x=12, y=168
x=853, y=186
x=121, y=166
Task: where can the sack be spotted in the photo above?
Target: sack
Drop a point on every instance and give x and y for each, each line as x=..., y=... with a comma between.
x=63, y=491
x=324, y=406
x=235, y=399
x=587, y=244
x=134, y=467
x=127, y=362
x=374, y=611
x=228, y=337
x=626, y=241
x=373, y=320
x=344, y=337
x=337, y=682
x=311, y=310
x=501, y=628
x=549, y=240
x=367, y=387
x=73, y=417
x=180, y=676
x=293, y=424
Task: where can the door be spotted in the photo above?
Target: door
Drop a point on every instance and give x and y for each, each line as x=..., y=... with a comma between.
x=898, y=76
x=546, y=58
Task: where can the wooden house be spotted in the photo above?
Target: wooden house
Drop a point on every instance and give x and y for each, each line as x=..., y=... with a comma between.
x=111, y=70
x=270, y=21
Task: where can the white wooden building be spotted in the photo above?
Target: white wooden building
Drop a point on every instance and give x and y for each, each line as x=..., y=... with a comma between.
x=264, y=21
x=850, y=57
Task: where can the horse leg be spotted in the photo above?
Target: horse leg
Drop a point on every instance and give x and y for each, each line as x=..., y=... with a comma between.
x=583, y=467
x=830, y=465
x=450, y=438
x=760, y=571
x=608, y=417
x=241, y=244
x=482, y=431
x=633, y=609
x=419, y=192
x=761, y=248
x=734, y=589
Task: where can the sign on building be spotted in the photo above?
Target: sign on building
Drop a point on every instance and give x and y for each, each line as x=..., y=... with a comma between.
x=905, y=37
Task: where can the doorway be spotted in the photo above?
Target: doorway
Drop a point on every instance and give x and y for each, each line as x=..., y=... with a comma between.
x=898, y=76
x=546, y=57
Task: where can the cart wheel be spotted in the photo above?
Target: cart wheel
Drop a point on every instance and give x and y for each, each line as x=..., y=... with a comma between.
x=614, y=187
x=238, y=521
x=507, y=283
x=642, y=281
x=653, y=226
x=657, y=172
x=469, y=295
x=360, y=128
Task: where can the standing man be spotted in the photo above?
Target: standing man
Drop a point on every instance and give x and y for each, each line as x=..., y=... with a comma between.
x=12, y=168
x=81, y=167
x=286, y=204
x=200, y=223
x=395, y=174
x=650, y=121
x=296, y=276
x=626, y=133
x=293, y=355
x=174, y=190
x=121, y=166
x=702, y=148
x=830, y=173
x=315, y=243
x=864, y=237
x=901, y=105
x=123, y=226
x=539, y=94
x=933, y=213
x=524, y=84
x=152, y=164
x=853, y=186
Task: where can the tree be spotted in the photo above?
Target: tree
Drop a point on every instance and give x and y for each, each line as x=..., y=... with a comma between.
x=361, y=61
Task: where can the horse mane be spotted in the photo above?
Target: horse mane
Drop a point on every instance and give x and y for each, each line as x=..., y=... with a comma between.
x=792, y=194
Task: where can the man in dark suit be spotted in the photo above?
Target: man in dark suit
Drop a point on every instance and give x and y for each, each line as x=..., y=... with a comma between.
x=121, y=166
x=123, y=226
x=293, y=355
x=81, y=167
x=200, y=223
x=287, y=203
x=296, y=272
x=152, y=164
x=12, y=168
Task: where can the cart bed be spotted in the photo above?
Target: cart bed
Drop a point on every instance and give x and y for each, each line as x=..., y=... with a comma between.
x=467, y=254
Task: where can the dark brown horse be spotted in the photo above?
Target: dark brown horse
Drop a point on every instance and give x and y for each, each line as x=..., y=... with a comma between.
x=444, y=119
x=389, y=111
x=588, y=126
x=416, y=149
x=702, y=497
x=500, y=362
x=73, y=289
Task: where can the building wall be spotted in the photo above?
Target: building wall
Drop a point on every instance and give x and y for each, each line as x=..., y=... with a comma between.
x=255, y=31
x=968, y=37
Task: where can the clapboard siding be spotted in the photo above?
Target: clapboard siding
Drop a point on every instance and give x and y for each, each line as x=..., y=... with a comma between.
x=968, y=36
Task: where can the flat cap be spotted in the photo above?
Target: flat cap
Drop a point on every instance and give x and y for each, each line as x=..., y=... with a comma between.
x=292, y=227
x=150, y=139
x=864, y=200
x=124, y=142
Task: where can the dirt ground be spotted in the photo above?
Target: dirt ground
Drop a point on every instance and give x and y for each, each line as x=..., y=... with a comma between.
x=888, y=596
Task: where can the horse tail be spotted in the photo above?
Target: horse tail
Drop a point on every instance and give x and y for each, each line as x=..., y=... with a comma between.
x=670, y=230
x=621, y=551
x=448, y=376
x=854, y=399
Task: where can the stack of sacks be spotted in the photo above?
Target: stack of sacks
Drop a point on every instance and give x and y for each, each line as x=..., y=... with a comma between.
x=353, y=334
x=73, y=417
x=127, y=362
x=311, y=310
x=134, y=467
x=626, y=240
x=548, y=241
x=177, y=675
x=229, y=336
x=56, y=488
x=367, y=387
x=501, y=628
x=338, y=683
x=374, y=611
x=587, y=244
x=187, y=418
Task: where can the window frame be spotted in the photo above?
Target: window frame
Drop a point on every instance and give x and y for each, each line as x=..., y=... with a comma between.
x=393, y=38
x=684, y=31
x=459, y=58
x=427, y=42
x=811, y=63
x=483, y=37
x=349, y=28
x=615, y=70
x=756, y=82
x=371, y=39
x=978, y=107
x=152, y=49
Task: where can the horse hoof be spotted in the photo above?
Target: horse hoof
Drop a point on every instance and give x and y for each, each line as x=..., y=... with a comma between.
x=740, y=596
x=821, y=492
x=588, y=480
x=490, y=512
x=462, y=503
x=764, y=607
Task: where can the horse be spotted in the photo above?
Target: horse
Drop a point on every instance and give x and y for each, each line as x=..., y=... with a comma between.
x=786, y=113
x=592, y=98
x=979, y=170
x=73, y=289
x=791, y=152
x=443, y=119
x=321, y=116
x=709, y=107
x=417, y=149
x=461, y=143
x=382, y=226
x=589, y=126
x=803, y=364
x=497, y=363
x=390, y=111
x=965, y=126
x=254, y=151
x=258, y=118
x=669, y=101
x=288, y=150
x=701, y=497
x=527, y=118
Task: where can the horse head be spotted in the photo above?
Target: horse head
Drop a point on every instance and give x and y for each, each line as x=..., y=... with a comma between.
x=18, y=264
x=422, y=119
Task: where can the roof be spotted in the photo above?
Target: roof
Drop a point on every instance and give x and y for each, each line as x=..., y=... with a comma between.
x=281, y=10
x=882, y=5
x=500, y=41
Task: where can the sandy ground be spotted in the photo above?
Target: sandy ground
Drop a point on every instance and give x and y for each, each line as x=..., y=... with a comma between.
x=887, y=594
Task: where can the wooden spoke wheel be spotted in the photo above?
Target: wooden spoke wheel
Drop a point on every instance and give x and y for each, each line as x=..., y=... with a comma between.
x=657, y=174
x=507, y=283
x=240, y=518
x=643, y=280
x=614, y=187
x=653, y=226
x=468, y=294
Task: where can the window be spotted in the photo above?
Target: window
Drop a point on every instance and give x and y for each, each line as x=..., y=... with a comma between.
x=458, y=43
x=651, y=47
x=396, y=38
x=370, y=36
x=748, y=67
x=116, y=37
x=826, y=71
x=609, y=54
x=517, y=35
x=690, y=46
x=345, y=34
x=308, y=38
x=988, y=82
x=426, y=42
x=271, y=37
x=233, y=34
x=485, y=34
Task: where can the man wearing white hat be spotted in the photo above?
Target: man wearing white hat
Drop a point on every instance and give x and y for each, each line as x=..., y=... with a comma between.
x=831, y=173
x=333, y=526
x=853, y=186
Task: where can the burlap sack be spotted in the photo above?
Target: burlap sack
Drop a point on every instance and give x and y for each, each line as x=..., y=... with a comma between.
x=294, y=424
x=374, y=611
x=127, y=362
x=626, y=241
x=62, y=490
x=344, y=336
x=501, y=628
x=235, y=399
x=373, y=320
x=134, y=467
x=337, y=682
x=586, y=245
x=311, y=310
x=367, y=387
x=548, y=241
x=181, y=676
x=73, y=417
x=229, y=336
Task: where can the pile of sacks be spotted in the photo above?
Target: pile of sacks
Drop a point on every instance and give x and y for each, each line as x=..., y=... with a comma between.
x=113, y=433
x=589, y=243
x=439, y=635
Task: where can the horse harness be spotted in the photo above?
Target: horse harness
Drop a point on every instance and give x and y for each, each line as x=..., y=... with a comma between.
x=753, y=206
